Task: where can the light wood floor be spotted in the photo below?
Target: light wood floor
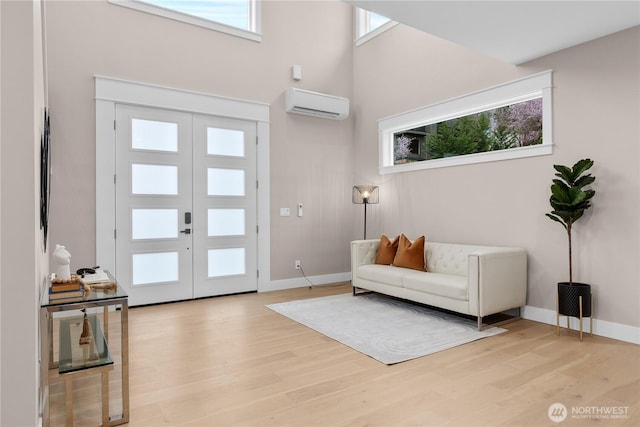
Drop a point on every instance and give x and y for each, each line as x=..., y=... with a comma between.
x=230, y=361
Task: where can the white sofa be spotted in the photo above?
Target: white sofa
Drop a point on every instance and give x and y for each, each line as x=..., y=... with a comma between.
x=472, y=280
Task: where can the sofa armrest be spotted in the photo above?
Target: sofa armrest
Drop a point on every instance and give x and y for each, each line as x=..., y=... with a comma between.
x=363, y=252
x=497, y=280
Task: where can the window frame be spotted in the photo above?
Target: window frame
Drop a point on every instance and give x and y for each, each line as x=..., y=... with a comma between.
x=362, y=17
x=255, y=18
x=524, y=89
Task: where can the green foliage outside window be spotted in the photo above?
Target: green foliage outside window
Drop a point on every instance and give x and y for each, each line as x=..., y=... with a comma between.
x=466, y=135
x=512, y=126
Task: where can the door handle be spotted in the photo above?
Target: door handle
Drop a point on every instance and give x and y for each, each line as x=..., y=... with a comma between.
x=186, y=231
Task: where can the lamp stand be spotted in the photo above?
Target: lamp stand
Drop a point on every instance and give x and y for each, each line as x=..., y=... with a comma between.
x=365, y=220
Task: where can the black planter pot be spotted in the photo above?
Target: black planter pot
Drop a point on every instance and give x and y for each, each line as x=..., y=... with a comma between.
x=569, y=299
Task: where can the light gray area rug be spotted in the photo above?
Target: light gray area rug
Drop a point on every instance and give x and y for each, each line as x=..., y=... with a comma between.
x=384, y=328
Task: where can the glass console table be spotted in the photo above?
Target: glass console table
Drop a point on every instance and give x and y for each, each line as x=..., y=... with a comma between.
x=95, y=357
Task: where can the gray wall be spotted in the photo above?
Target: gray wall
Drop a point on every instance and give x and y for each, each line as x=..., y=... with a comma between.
x=595, y=114
x=23, y=265
x=310, y=158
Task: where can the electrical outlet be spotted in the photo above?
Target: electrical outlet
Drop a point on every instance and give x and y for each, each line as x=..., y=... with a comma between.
x=298, y=264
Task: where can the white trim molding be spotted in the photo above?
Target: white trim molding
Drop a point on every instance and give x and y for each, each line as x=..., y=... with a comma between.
x=603, y=328
x=535, y=86
x=109, y=91
x=130, y=92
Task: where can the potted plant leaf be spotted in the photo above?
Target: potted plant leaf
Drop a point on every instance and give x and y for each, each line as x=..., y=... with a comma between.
x=569, y=200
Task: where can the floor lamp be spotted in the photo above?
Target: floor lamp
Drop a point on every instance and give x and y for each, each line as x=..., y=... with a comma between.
x=365, y=195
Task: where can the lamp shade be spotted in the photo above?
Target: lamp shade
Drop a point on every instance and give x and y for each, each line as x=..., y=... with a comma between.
x=365, y=194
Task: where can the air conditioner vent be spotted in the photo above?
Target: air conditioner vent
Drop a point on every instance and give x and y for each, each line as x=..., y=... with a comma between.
x=314, y=112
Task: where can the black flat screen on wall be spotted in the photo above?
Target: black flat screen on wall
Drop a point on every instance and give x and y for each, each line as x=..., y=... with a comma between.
x=45, y=177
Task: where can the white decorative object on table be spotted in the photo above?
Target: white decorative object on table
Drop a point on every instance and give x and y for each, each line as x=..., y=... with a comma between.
x=62, y=258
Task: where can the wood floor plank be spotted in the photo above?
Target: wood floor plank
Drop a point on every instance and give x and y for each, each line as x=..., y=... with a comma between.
x=231, y=361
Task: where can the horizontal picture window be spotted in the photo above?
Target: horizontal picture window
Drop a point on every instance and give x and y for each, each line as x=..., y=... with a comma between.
x=509, y=121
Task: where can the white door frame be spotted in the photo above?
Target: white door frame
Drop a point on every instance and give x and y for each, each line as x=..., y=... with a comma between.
x=108, y=92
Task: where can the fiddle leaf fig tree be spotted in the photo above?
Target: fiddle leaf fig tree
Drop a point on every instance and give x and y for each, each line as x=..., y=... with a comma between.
x=569, y=199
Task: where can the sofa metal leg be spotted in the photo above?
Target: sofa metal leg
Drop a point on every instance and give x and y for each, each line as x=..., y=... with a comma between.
x=479, y=323
x=354, y=289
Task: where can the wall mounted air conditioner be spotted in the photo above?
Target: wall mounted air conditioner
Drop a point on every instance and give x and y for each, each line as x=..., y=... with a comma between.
x=316, y=104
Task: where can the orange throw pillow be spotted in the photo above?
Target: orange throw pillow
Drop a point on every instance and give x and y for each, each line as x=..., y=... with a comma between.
x=410, y=255
x=387, y=250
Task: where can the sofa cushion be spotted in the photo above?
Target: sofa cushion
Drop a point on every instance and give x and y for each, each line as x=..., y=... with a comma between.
x=410, y=254
x=445, y=285
x=387, y=250
x=448, y=258
x=386, y=274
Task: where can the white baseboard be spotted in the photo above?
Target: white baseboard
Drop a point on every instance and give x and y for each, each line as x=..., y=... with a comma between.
x=603, y=328
x=301, y=282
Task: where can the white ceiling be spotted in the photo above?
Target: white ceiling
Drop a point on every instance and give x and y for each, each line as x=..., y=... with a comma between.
x=512, y=31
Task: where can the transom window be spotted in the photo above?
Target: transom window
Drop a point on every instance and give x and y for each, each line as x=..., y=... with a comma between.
x=237, y=17
x=508, y=121
x=370, y=24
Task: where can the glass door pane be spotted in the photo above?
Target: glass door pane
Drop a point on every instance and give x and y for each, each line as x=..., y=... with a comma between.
x=226, y=262
x=225, y=142
x=225, y=182
x=159, y=267
x=154, y=135
x=154, y=179
x=154, y=224
x=225, y=222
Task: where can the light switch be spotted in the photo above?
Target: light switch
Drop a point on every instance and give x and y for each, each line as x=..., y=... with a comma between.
x=299, y=209
x=285, y=212
x=296, y=72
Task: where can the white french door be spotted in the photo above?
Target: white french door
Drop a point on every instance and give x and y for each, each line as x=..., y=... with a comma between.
x=185, y=205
